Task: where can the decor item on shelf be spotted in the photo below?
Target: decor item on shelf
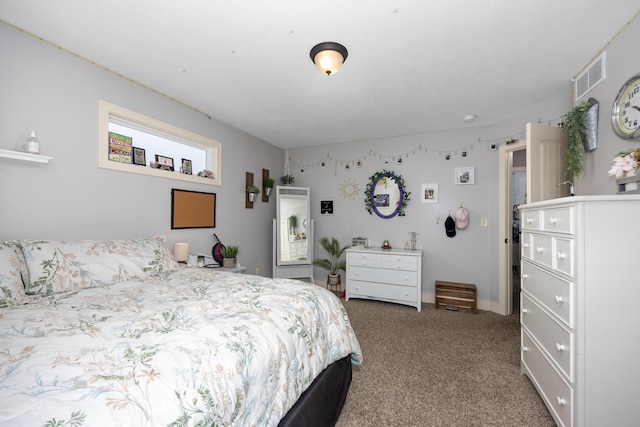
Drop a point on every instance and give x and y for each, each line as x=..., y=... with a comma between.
x=335, y=262
x=329, y=57
x=386, y=195
x=33, y=145
x=229, y=256
x=287, y=179
x=253, y=192
x=268, y=186
x=626, y=165
x=181, y=252
x=206, y=174
x=579, y=129
x=386, y=245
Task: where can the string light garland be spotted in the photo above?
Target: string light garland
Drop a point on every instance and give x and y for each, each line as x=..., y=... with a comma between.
x=398, y=159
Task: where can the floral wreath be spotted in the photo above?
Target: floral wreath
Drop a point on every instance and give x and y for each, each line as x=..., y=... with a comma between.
x=382, y=176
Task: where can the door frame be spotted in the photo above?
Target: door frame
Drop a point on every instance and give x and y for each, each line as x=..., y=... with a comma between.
x=505, y=273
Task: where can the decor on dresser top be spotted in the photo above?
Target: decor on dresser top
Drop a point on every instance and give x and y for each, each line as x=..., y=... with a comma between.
x=581, y=130
x=253, y=192
x=334, y=263
x=626, y=165
x=229, y=256
x=216, y=250
x=386, y=195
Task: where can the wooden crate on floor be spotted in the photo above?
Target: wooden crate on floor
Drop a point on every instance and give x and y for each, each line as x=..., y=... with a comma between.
x=459, y=295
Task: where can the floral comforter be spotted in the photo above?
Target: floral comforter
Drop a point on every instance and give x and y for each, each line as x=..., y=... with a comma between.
x=198, y=348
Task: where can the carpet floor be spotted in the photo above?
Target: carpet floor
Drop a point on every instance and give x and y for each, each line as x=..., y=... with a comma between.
x=438, y=368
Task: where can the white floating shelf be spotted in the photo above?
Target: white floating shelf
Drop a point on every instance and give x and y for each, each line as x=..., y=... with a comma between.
x=27, y=157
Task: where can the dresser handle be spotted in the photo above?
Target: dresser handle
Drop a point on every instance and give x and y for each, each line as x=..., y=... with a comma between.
x=525, y=276
x=559, y=299
x=525, y=349
x=529, y=220
x=561, y=401
x=553, y=220
x=539, y=249
x=525, y=245
x=561, y=255
x=560, y=347
x=525, y=311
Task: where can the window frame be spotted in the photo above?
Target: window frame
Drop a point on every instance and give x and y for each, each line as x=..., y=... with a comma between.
x=212, y=147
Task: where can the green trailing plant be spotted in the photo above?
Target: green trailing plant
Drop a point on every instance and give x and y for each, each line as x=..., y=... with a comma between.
x=253, y=189
x=334, y=263
x=575, y=133
x=379, y=177
x=293, y=223
x=230, y=251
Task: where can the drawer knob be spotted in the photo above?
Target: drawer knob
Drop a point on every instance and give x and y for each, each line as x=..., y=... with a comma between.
x=525, y=276
x=561, y=401
x=559, y=299
x=539, y=249
x=560, y=347
x=525, y=310
x=561, y=255
x=529, y=220
x=553, y=220
x=525, y=245
x=525, y=349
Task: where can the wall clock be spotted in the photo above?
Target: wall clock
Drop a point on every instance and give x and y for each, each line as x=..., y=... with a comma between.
x=625, y=114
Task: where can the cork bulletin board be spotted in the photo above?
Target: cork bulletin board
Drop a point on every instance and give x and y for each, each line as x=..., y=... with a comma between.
x=192, y=209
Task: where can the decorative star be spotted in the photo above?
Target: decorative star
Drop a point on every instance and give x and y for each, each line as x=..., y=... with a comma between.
x=349, y=189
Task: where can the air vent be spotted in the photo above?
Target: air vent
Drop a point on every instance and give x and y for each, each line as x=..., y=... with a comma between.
x=590, y=77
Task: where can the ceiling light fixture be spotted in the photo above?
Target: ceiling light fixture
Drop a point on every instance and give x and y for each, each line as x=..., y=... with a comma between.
x=329, y=57
x=469, y=118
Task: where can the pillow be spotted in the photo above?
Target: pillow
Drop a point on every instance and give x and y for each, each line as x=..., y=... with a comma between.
x=11, y=285
x=59, y=266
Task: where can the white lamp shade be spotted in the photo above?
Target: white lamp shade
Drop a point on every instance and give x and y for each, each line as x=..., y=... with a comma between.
x=181, y=251
x=328, y=61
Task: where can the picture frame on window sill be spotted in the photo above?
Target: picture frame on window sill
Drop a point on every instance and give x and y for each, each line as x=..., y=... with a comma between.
x=139, y=156
x=465, y=176
x=429, y=193
x=186, y=167
x=165, y=163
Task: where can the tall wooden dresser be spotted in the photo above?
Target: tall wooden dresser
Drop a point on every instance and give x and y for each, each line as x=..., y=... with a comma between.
x=580, y=307
x=385, y=274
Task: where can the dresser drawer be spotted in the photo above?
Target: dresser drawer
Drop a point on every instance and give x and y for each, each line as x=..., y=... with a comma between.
x=559, y=220
x=393, y=277
x=356, y=288
x=554, y=338
x=525, y=245
x=563, y=258
x=531, y=219
x=400, y=262
x=557, y=394
x=363, y=259
x=554, y=293
x=542, y=249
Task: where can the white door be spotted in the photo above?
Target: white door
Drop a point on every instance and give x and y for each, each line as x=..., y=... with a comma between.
x=546, y=172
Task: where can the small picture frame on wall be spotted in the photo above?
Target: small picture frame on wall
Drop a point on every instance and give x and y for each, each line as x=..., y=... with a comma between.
x=429, y=193
x=139, y=156
x=165, y=163
x=326, y=207
x=465, y=176
x=186, y=167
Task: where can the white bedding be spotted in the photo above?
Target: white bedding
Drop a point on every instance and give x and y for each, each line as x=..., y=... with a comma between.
x=198, y=347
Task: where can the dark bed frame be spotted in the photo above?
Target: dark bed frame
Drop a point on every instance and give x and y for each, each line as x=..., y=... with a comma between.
x=320, y=405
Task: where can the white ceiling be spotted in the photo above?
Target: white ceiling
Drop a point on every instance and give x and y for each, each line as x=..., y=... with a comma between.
x=414, y=66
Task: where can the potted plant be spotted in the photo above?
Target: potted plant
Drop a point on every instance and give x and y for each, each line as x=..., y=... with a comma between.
x=229, y=256
x=268, y=186
x=253, y=192
x=287, y=179
x=334, y=263
x=579, y=127
x=293, y=223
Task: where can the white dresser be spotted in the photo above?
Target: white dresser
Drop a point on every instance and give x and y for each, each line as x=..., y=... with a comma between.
x=385, y=275
x=580, y=307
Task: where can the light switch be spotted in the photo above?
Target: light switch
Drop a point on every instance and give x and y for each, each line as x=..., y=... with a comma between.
x=484, y=222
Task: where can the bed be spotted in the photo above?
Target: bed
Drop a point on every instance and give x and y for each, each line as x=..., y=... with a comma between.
x=118, y=333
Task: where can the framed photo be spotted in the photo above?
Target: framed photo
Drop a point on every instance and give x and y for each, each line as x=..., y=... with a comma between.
x=381, y=200
x=165, y=163
x=120, y=148
x=139, y=156
x=186, y=167
x=465, y=176
x=326, y=207
x=429, y=193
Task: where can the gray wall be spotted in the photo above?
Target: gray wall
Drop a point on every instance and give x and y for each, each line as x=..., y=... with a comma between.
x=55, y=93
